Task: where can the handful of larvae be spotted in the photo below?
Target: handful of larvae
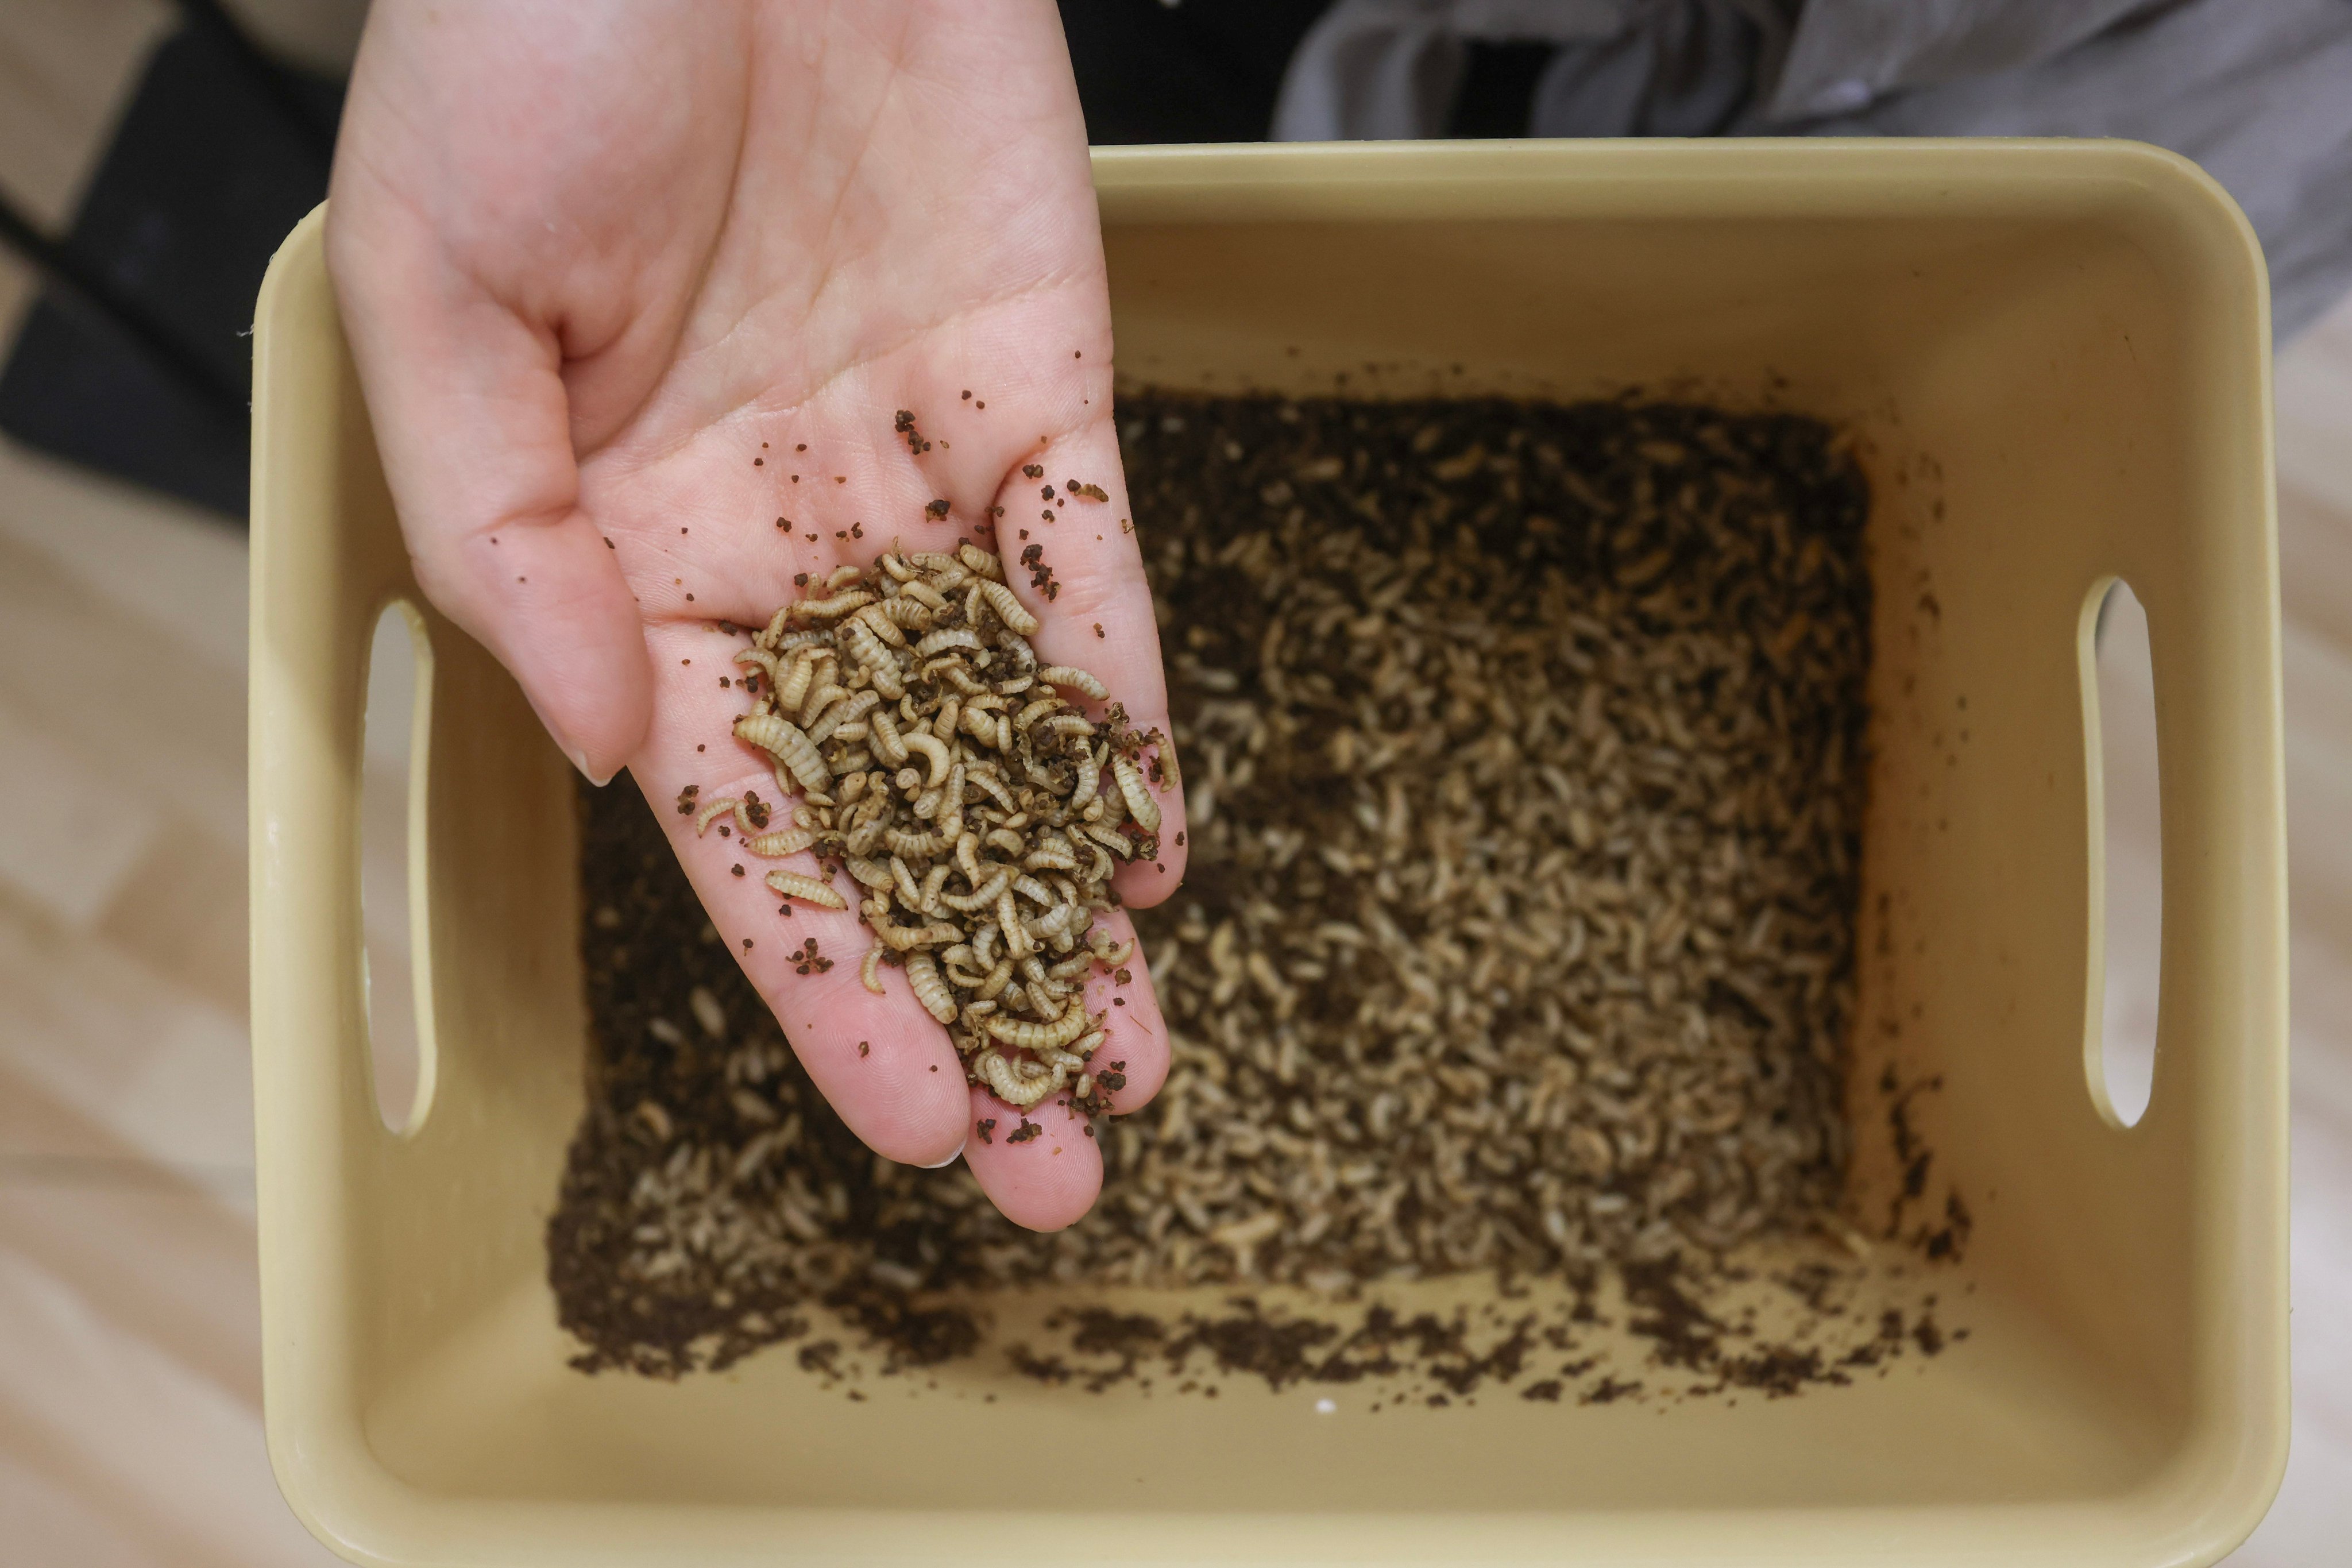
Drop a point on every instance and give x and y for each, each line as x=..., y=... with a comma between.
x=941, y=763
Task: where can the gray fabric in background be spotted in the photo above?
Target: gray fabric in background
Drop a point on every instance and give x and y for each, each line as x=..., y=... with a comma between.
x=2257, y=91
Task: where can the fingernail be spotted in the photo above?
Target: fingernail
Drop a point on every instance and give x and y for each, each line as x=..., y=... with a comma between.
x=942, y=1164
x=580, y=761
x=579, y=758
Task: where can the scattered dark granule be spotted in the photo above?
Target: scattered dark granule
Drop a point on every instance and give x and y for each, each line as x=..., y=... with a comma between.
x=865, y=1047
x=986, y=1130
x=1099, y=631
x=737, y=868
x=686, y=799
x=1046, y=493
x=755, y=808
x=1045, y=1368
x=1034, y=470
x=1548, y=1391
x=822, y=1358
x=936, y=508
x=1928, y=1336
x=1608, y=1391
x=1027, y=1130
x=1091, y=493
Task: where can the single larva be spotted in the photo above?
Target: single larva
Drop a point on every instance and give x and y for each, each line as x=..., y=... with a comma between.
x=1074, y=1022
x=793, y=685
x=1140, y=803
x=869, y=969
x=790, y=744
x=923, y=977
x=1036, y=711
x=776, y=845
x=793, y=885
x=1009, y=1086
x=1008, y=609
x=903, y=939
x=711, y=811
x=839, y=604
x=935, y=753
x=1076, y=679
x=858, y=705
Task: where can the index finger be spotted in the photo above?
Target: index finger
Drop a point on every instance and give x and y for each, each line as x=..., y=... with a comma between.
x=1071, y=553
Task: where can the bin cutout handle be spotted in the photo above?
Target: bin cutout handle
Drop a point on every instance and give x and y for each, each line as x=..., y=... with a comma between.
x=395, y=951
x=2126, y=841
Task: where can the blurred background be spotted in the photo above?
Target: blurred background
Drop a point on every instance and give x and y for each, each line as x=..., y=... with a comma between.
x=152, y=155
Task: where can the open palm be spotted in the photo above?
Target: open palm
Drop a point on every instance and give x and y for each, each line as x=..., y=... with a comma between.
x=639, y=295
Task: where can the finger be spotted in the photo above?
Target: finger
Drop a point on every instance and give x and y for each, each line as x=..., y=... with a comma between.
x=1080, y=572
x=472, y=419
x=1050, y=1179
x=1047, y=1179
x=1132, y=1061
x=881, y=1061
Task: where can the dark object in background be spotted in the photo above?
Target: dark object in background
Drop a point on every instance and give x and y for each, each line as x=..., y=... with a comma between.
x=1206, y=70
x=136, y=359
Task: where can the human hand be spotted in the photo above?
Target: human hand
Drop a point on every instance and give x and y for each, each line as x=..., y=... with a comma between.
x=634, y=292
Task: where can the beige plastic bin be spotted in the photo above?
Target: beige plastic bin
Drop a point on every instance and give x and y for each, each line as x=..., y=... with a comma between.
x=2056, y=359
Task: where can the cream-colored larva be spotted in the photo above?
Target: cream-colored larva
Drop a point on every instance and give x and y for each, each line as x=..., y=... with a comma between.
x=1008, y=921
x=923, y=978
x=980, y=563
x=982, y=726
x=1140, y=803
x=793, y=885
x=824, y=693
x=1090, y=779
x=1008, y=609
x=869, y=969
x=1074, y=1022
x=793, y=684
x=832, y=609
x=789, y=745
x=711, y=811
x=950, y=640
x=902, y=939
x=900, y=841
x=983, y=897
x=876, y=619
x=1076, y=679
x=1037, y=710
x=1051, y=857
x=1009, y=1086
x=767, y=662
x=935, y=753
x=1116, y=843
x=776, y=845
x=858, y=705
x=886, y=736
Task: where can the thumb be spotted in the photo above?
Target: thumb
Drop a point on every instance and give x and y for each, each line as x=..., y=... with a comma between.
x=473, y=420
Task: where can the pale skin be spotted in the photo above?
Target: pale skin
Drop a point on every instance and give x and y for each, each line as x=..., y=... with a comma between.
x=614, y=272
